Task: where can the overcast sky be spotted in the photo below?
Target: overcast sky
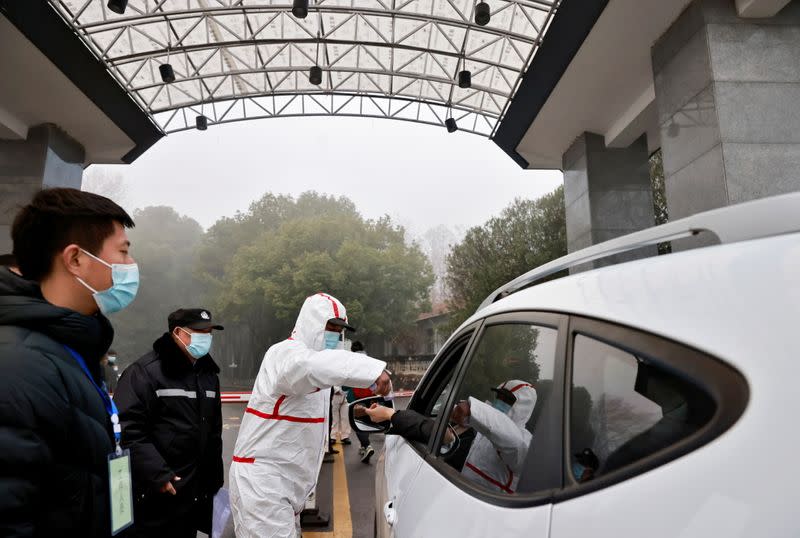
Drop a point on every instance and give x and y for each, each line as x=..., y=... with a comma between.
x=420, y=175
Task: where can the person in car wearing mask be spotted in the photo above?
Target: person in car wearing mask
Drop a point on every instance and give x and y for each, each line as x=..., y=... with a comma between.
x=72, y=268
x=498, y=452
x=284, y=430
x=497, y=433
x=171, y=414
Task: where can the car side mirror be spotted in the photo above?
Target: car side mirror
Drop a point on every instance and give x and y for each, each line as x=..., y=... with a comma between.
x=360, y=421
x=450, y=443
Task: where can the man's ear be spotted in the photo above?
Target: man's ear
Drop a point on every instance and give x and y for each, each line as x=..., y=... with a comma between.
x=72, y=259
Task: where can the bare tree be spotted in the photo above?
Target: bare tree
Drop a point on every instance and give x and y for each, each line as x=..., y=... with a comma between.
x=106, y=182
x=437, y=243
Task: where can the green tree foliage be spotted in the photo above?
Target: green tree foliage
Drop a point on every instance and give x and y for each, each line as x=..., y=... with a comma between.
x=505, y=352
x=659, y=195
x=261, y=266
x=267, y=214
x=527, y=234
x=659, y=191
x=164, y=245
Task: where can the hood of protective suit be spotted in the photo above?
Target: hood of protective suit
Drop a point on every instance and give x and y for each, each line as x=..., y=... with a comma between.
x=522, y=409
x=314, y=315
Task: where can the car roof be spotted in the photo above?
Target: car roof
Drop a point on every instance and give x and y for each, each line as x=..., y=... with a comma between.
x=739, y=302
x=765, y=217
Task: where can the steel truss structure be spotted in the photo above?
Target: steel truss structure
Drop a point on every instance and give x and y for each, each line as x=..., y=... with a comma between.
x=243, y=59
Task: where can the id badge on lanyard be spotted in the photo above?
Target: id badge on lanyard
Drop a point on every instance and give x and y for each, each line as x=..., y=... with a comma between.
x=119, y=483
x=119, y=462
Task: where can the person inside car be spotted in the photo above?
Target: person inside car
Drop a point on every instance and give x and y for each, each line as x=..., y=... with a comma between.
x=493, y=436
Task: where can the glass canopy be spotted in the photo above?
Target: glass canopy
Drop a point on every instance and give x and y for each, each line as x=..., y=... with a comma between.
x=243, y=59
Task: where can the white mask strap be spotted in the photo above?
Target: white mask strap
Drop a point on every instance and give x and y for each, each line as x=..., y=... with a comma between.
x=96, y=258
x=79, y=279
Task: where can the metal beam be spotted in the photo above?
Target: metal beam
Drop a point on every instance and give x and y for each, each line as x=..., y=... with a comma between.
x=285, y=112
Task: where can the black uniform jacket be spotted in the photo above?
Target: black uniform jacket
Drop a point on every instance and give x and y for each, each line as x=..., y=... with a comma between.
x=55, y=432
x=172, y=423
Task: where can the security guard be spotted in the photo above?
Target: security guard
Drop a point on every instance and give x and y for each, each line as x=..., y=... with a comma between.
x=169, y=406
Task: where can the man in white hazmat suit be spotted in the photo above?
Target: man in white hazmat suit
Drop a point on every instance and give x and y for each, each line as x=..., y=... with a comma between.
x=284, y=430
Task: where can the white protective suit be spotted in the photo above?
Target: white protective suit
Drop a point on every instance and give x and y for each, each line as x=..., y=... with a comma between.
x=499, y=450
x=284, y=430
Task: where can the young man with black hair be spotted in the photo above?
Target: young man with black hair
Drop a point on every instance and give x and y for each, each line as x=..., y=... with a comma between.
x=73, y=266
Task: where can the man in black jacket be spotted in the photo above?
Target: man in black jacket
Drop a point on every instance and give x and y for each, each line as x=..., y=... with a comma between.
x=55, y=430
x=171, y=416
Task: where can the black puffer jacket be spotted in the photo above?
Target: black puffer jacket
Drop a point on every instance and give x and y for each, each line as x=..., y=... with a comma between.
x=55, y=433
x=171, y=419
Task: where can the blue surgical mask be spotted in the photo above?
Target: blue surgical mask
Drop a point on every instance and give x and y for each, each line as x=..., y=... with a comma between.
x=200, y=344
x=501, y=406
x=577, y=470
x=124, y=285
x=332, y=340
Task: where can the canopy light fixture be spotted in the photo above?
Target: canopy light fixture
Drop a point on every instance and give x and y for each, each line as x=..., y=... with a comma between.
x=300, y=8
x=464, y=79
x=167, y=73
x=315, y=75
x=451, y=125
x=201, y=121
x=482, y=14
x=118, y=6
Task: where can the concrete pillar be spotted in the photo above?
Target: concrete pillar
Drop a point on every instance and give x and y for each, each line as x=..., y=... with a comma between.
x=728, y=99
x=607, y=193
x=48, y=158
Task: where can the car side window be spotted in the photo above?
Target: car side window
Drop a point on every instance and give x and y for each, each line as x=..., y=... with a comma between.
x=435, y=389
x=625, y=408
x=498, y=405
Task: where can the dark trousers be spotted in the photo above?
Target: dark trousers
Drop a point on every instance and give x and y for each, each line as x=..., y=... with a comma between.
x=363, y=438
x=168, y=516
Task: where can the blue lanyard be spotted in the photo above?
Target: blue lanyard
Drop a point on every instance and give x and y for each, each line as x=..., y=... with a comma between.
x=111, y=408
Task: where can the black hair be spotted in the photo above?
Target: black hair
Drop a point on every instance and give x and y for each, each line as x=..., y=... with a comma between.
x=59, y=217
x=356, y=346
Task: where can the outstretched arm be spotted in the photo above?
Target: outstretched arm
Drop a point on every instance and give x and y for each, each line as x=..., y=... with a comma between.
x=300, y=371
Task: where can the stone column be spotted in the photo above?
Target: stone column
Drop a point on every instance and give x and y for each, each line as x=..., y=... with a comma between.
x=48, y=158
x=728, y=99
x=607, y=193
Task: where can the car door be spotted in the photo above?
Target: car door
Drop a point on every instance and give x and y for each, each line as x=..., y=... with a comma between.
x=398, y=464
x=498, y=477
x=638, y=408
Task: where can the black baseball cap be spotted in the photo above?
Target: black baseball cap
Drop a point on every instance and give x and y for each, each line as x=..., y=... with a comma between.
x=505, y=395
x=192, y=318
x=339, y=322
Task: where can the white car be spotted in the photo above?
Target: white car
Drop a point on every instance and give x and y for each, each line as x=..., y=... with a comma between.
x=662, y=389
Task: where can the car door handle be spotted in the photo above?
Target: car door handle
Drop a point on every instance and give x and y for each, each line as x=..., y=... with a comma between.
x=389, y=513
